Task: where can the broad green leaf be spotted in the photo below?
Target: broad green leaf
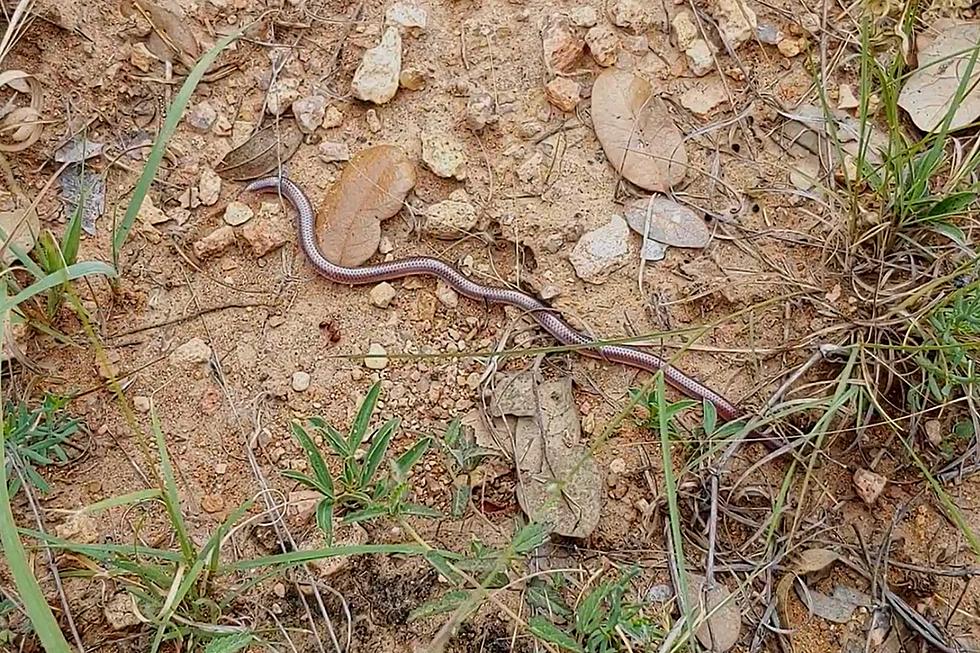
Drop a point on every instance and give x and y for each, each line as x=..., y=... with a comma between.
x=365, y=514
x=541, y=595
x=440, y=564
x=308, y=481
x=324, y=519
x=320, y=470
x=548, y=632
x=588, y=613
x=332, y=436
x=446, y=603
x=359, y=427
x=377, y=451
x=951, y=231
x=529, y=538
x=461, y=498
x=229, y=643
x=710, y=418
x=408, y=459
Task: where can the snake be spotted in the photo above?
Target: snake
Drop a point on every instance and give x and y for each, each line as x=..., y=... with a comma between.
x=547, y=317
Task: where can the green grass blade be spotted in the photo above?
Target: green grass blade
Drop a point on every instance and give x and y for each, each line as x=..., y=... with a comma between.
x=408, y=459
x=320, y=471
x=308, y=481
x=299, y=557
x=332, y=436
x=170, y=498
x=174, y=114
x=38, y=610
x=102, y=551
x=324, y=519
x=229, y=643
x=549, y=632
x=57, y=278
x=377, y=451
x=122, y=500
x=359, y=428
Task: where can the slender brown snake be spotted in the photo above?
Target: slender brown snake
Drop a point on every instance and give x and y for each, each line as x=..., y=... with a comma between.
x=546, y=316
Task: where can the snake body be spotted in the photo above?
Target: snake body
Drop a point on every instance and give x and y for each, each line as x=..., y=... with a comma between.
x=544, y=315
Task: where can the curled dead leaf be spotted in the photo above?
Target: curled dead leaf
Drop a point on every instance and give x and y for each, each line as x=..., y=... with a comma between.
x=808, y=562
x=636, y=131
x=20, y=126
x=18, y=229
x=262, y=153
x=371, y=188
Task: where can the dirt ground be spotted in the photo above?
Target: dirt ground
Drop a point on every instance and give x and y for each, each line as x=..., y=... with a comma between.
x=266, y=318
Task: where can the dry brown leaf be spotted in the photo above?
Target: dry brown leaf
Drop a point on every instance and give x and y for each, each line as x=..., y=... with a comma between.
x=810, y=561
x=371, y=188
x=20, y=229
x=21, y=126
x=720, y=623
x=171, y=36
x=931, y=89
x=262, y=153
x=636, y=131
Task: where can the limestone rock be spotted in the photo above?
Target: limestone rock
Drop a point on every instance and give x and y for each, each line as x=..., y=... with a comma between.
x=451, y=218
x=602, y=250
x=215, y=242
x=376, y=79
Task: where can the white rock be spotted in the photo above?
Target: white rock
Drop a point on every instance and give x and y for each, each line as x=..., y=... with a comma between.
x=332, y=118
x=237, y=213
x=603, y=44
x=699, y=58
x=846, y=98
x=141, y=404
x=309, y=112
x=194, y=350
x=584, y=16
x=406, y=15
x=443, y=154
x=376, y=359
x=634, y=15
x=150, y=214
x=446, y=295
x=382, y=294
x=301, y=381
x=333, y=151
x=376, y=79
x=120, y=611
x=269, y=231
x=704, y=97
x=202, y=116
x=602, y=250
x=451, y=218
x=737, y=22
x=209, y=187
x=685, y=31
x=869, y=485
x=282, y=94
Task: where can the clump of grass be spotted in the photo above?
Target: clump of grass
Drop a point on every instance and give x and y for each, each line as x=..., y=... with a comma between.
x=361, y=491
x=36, y=438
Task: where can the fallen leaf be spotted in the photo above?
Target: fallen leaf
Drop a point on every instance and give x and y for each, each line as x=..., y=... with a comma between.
x=21, y=126
x=171, y=35
x=718, y=614
x=78, y=150
x=84, y=188
x=18, y=228
x=839, y=607
x=809, y=561
x=932, y=88
x=513, y=394
x=262, y=153
x=636, y=131
x=371, y=188
x=667, y=222
x=561, y=485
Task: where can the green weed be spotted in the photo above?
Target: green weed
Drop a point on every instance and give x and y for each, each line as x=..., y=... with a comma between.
x=36, y=438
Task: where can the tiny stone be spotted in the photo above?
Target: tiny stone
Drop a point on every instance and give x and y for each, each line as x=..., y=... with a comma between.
x=479, y=110
x=602, y=250
x=633, y=15
x=332, y=118
x=406, y=15
x=737, y=22
x=446, y=295
x=279, y=589
x=603, y=43
x=373, y=121
x=189, y=199
x=221, y=469
x=237, y=213
x=768, y=33
x=150, y=214
x=141, y=58
x=584, y=16
x=452, y=218
x=791, y=47
x=412, y=79
x=333, y=151
x=934, y=431
x=549, y=291
x=617, y=466
x=699, y=58
x=563, y=93
x=443, y=154
x=846, y=98
x=202, y=117
x=376, y=78
x=382, y=294
x=562, y=46
x=309, y=112
x=685, y=31
x=268, y=231
x=869, y=485
x=376, y=359
x=141, y=404
x=215, y=242
x=386, y=246
x=281, y=95
x=301, y=381
x=120, y=612
x=194, y=350
x=212, y=503
x=209, y=187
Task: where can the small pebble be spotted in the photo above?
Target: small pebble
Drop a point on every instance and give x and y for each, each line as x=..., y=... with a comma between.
x=237, y=213
x=382, y=294
x=309, y=112
x=373, y=121
x=300, y=381
x=141, y=404
x=333, y=151
x=332, y=118
x=446, y=295
x=376, y=359
x=221, y=468
x=584, y=16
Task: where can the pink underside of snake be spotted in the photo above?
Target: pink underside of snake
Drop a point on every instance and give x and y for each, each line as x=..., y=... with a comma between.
x=546, y=316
